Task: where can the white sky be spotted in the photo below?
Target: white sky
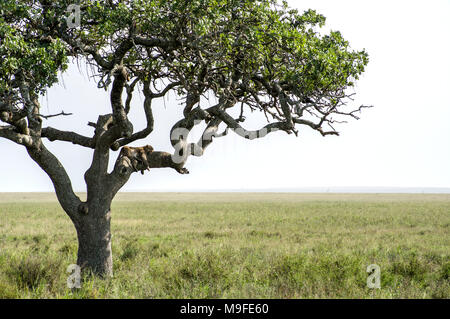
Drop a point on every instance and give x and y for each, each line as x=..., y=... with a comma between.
x=403, y=142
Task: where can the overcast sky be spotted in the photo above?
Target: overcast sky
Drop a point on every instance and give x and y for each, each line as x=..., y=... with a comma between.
x=404, y=141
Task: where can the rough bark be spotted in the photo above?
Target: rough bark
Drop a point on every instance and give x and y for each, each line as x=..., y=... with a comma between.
x=94, y=239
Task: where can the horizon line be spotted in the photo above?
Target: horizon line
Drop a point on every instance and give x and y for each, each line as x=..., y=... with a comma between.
x=318, y=189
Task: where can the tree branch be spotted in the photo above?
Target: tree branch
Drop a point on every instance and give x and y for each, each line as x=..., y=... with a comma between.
x=61, y=181
x=10, y=133
x=54, y=115
x=238, y=129
x=317, y=127
x=150, y=120
x=120, y=116
x=53, y=134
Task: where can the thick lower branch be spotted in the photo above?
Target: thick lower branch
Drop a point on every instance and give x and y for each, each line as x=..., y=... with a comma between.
x=53, y=134
x=129, y=164
x=164, y=159
x=61, y=181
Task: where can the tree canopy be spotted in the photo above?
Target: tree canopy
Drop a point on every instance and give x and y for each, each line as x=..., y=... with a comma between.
x=258, y=55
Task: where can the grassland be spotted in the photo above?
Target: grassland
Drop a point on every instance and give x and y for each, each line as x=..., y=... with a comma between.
x=235, y=246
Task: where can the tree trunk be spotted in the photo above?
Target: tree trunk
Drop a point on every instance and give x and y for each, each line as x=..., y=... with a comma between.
x=94, y=240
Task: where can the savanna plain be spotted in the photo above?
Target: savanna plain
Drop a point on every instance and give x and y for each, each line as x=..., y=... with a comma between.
x=235, y=245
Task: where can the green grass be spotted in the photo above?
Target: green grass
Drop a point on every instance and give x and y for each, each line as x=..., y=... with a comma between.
x=235, y=246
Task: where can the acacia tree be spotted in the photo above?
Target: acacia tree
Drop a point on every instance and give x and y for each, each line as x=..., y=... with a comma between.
x=246, y=55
